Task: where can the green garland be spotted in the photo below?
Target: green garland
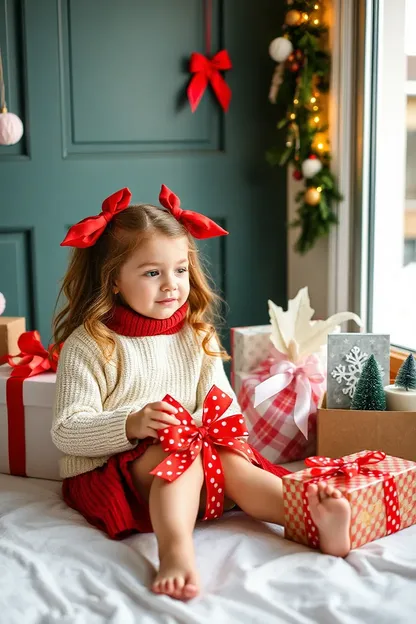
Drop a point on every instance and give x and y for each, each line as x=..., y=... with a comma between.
x=303, y=77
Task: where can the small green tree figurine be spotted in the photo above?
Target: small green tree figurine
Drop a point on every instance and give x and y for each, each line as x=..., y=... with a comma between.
x=369, y=393
x=406, y=377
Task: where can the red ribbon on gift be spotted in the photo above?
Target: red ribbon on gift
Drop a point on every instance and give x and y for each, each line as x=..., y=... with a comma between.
x=323, y=468
x=327, y=466
x=207, y=70
x=186, y=441
x=32, y=360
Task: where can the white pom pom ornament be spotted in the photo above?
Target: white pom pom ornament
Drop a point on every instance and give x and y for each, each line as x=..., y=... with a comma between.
x=11, y=128
x=311, y=166
x=2, y=303
x=280, y=49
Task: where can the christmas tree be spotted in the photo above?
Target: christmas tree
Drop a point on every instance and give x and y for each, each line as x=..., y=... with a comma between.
x=406, y=377
x=369, y=393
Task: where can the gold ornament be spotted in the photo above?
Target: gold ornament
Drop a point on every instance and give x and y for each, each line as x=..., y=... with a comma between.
x=293, y=17
x=320, y=143
x=312, y=196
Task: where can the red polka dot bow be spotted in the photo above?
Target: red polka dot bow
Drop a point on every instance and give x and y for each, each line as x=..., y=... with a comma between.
x=85, y=233
x=326, y=466
x=186, y=441
x=197, y=224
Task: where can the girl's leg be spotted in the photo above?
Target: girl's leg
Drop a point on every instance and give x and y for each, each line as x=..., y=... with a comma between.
x=260, y=494
x=173, y=511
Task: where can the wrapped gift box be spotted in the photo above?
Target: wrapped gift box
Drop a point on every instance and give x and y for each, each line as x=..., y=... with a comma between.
x=344, y=431
x=271, y=425
x=28, y=450
x=347, y=354
x=11, y=327
x=380, y=505
x=277, y=374
x=249, y=347
x=273, y=431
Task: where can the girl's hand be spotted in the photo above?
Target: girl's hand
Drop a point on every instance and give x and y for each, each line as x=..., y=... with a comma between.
x=150, y=419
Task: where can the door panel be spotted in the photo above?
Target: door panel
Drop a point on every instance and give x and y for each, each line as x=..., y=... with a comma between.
x=101, y=88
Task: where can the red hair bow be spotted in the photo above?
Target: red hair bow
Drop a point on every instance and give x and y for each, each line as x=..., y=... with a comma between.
x=197, y=224
x=88, y=231
x=207, y=70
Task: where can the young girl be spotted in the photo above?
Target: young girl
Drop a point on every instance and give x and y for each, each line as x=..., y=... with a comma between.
x=137, y=326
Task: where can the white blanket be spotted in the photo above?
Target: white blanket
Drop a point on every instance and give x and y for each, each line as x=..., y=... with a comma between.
x=54, y=567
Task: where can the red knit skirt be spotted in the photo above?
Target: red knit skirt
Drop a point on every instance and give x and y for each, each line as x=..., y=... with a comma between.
x=107, y=498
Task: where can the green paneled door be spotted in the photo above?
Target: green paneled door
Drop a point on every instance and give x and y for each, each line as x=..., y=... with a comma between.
x=101, y=86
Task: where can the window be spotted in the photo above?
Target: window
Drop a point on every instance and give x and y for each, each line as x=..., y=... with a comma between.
x=389, y=276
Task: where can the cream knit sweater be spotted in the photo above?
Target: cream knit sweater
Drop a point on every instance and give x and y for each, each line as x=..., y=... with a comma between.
x=94, y=398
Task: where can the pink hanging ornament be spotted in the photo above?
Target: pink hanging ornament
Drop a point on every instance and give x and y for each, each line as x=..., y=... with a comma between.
x=2, y=303
x=11, y=126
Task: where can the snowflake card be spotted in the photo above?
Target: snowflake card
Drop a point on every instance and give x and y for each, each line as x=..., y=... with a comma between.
x=347, y=354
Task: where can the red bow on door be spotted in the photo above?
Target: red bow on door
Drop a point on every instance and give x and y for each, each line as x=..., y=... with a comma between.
x=206, y=71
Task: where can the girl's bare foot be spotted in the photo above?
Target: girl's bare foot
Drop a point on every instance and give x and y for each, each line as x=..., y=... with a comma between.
x=177, y=575
x=331, y=513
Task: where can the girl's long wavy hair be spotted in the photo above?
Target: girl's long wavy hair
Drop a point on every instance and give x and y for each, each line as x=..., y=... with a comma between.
x=88, y=286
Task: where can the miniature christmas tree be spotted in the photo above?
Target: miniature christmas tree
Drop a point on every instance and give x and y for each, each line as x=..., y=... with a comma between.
x=406, y=377
x=369, y=393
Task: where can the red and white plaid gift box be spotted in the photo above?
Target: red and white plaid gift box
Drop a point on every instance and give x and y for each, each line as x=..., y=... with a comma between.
x=271, y=425
x=381, y=490
x=274, y=429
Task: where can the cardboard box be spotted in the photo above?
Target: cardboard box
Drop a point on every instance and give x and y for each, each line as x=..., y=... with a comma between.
x=31, y=447
x=343, y=432
x=11, y=328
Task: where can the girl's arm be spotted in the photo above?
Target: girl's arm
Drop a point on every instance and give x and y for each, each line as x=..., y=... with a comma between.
x=81, y=426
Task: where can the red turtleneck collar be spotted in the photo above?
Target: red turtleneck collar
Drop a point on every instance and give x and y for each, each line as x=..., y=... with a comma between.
x=127, y=322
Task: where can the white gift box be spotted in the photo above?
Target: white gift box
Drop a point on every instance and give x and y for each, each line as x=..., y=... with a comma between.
x=249, y=347
x=41, y=455
x=252, y=345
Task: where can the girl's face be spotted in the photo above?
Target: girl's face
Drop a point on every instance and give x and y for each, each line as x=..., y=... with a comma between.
x=155, y=279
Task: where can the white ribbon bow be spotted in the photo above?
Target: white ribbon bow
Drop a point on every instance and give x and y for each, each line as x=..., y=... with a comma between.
x=308, y=377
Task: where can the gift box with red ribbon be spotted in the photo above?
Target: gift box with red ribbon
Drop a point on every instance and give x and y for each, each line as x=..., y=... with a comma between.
x=381, y=490
x=27, y=394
